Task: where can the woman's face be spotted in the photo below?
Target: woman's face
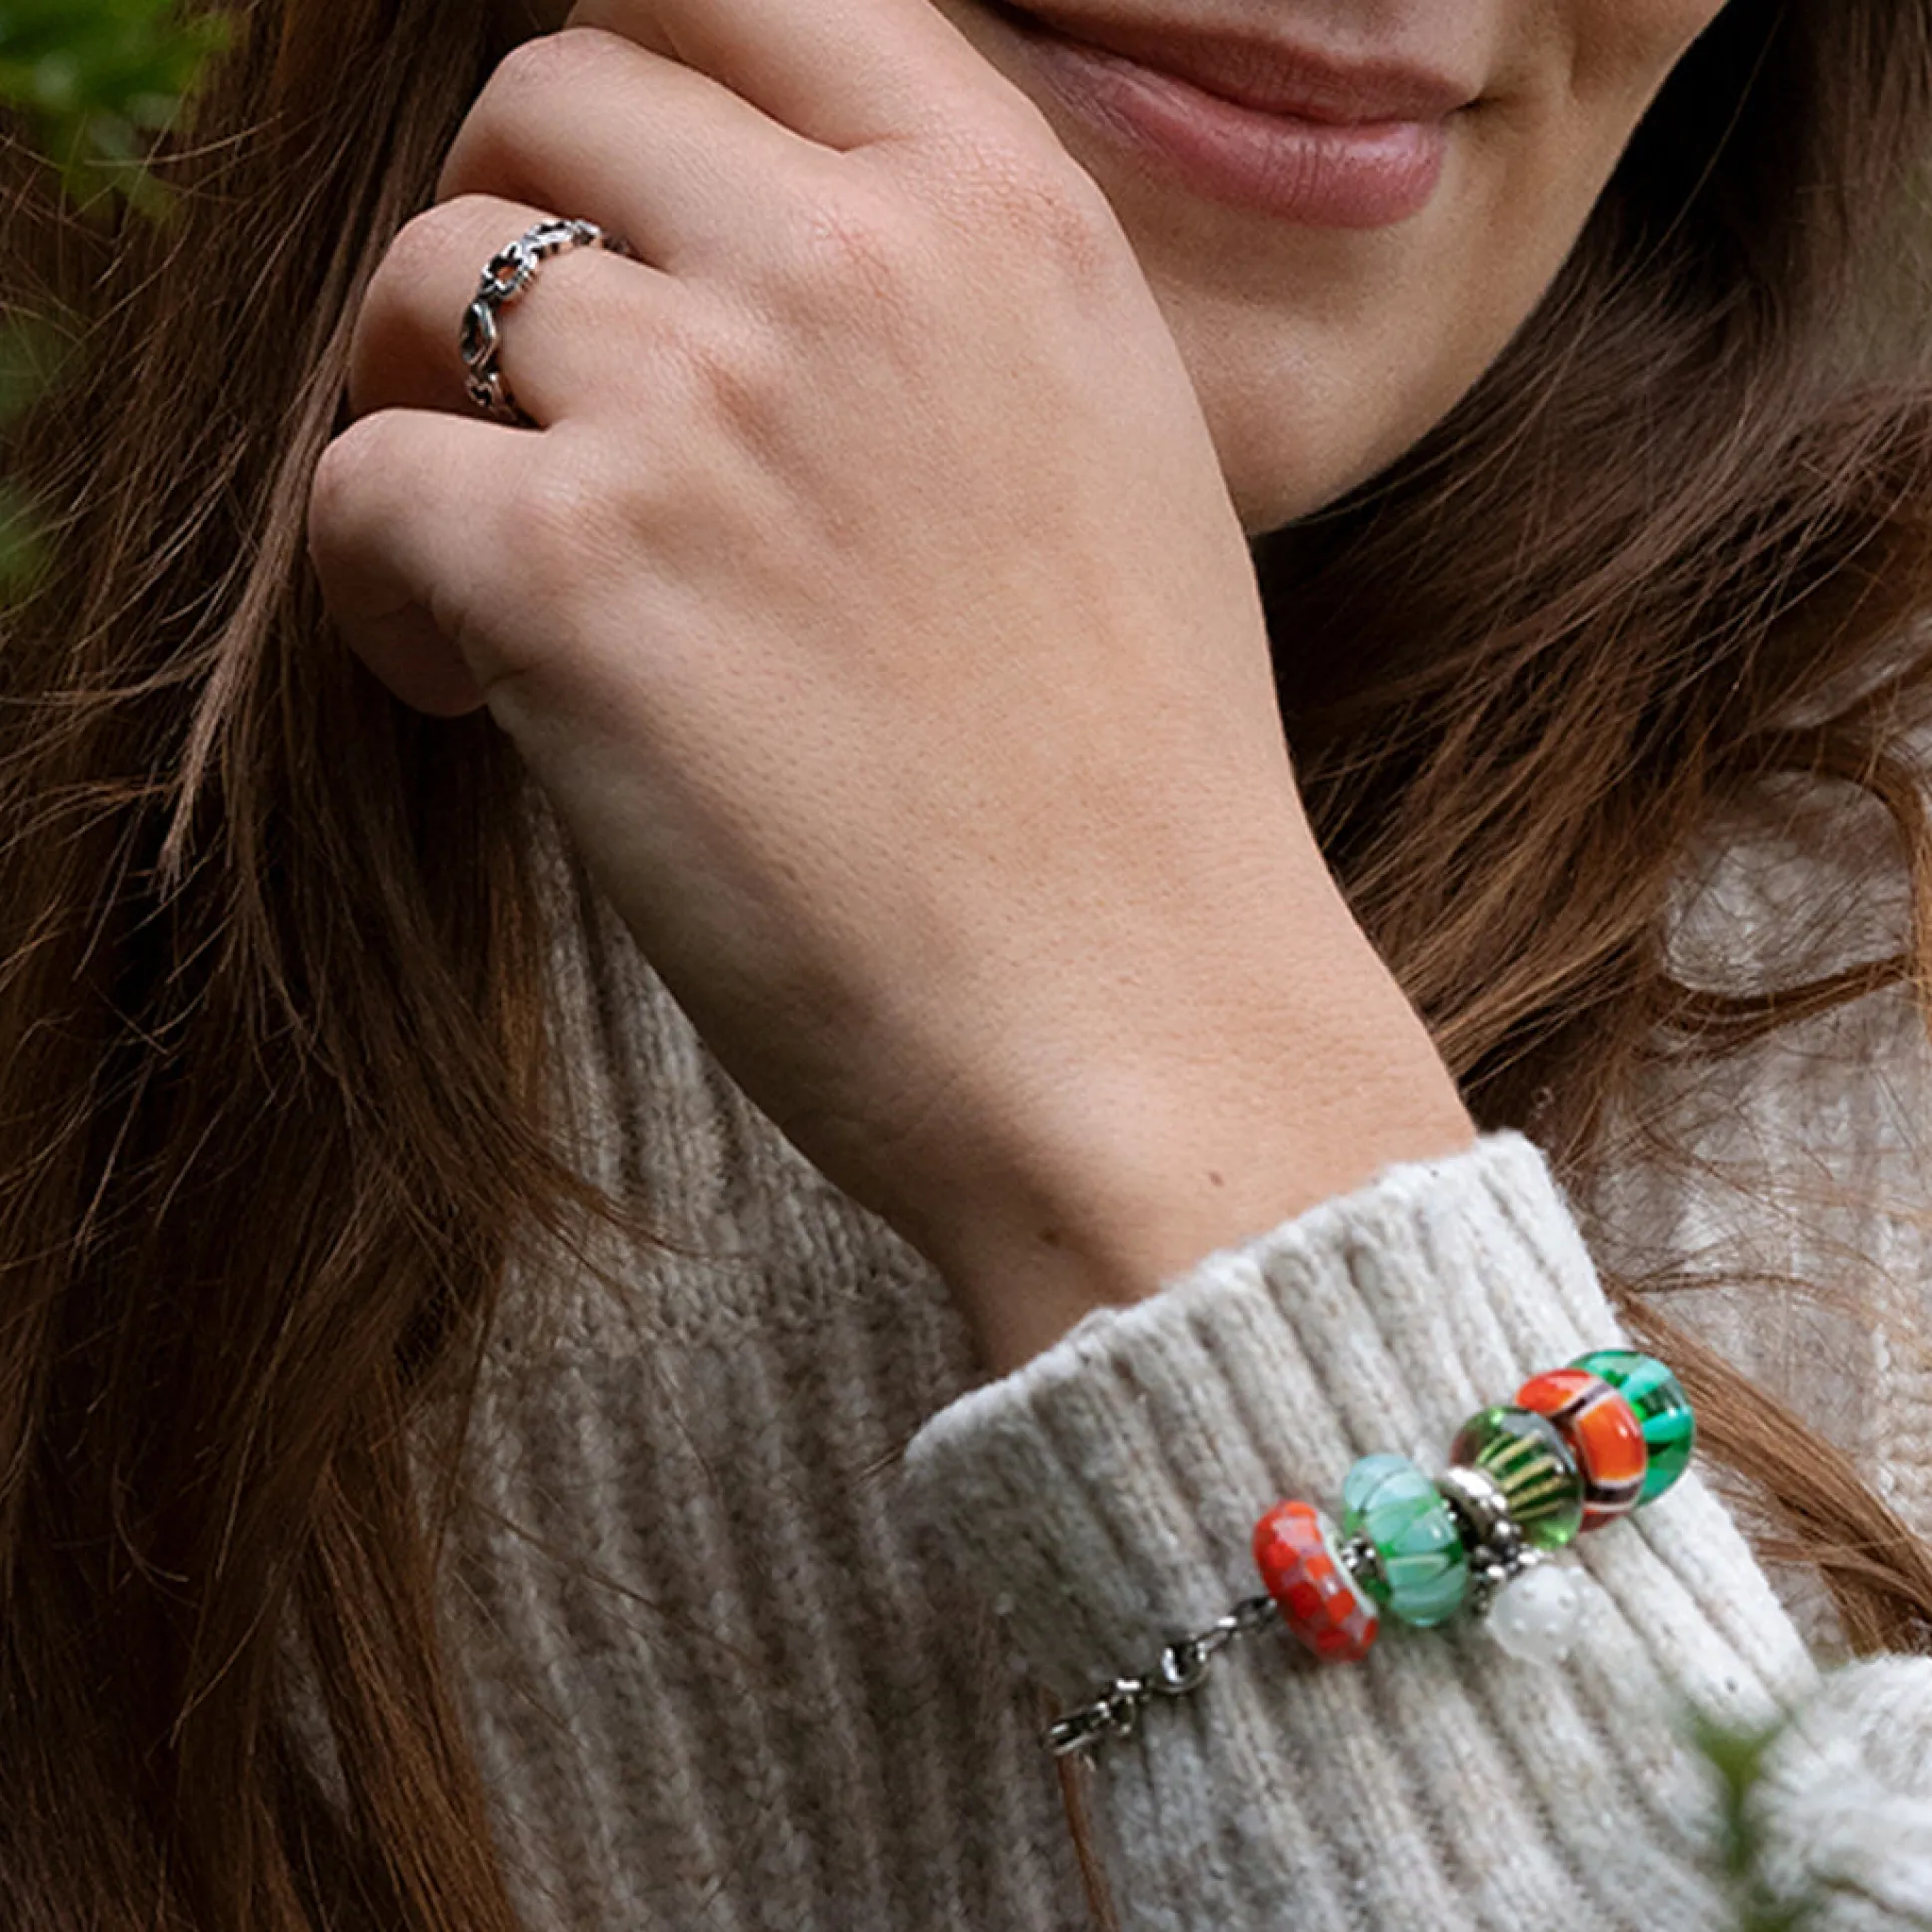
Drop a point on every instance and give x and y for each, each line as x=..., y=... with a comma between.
x=1344, y=254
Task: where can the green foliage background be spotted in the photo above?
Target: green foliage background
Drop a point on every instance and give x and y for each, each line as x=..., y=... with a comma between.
x=91, y=83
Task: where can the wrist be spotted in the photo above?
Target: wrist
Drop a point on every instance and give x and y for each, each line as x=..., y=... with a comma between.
x=1134, y=1167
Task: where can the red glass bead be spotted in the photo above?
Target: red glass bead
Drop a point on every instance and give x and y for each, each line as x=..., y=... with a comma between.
x=1602, y=1432
x=1319, y=1600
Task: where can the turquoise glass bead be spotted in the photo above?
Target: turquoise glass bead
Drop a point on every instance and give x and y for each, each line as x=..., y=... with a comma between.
x=1425, y=1568
x=1663, y=1408
x=1526, y=1457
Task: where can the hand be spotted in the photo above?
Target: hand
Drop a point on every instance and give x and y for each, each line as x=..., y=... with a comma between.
x=871, y=606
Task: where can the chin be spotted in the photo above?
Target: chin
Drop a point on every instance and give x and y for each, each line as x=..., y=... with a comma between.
x=1297, y=443
x=1270, y=490
x=1304, y=410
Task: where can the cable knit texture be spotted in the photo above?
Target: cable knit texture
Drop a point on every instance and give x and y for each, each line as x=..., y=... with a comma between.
x=768, y=1591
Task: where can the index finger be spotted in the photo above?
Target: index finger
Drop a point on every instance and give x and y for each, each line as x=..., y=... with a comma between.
x=847, y=73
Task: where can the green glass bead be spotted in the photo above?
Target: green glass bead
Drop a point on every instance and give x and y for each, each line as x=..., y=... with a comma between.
x=1663, y=1408
x=1425, y=1568
x=1526, y=1457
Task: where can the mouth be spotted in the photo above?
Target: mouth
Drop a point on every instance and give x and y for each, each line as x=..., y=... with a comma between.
x=1292, y=132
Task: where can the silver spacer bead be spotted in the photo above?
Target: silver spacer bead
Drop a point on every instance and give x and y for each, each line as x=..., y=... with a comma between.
x=1493, y=1536
x=1486, y=1579
x=1363, y=1561
x=1482, y=1508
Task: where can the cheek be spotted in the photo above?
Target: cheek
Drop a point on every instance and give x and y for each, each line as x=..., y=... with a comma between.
x=1624, y=46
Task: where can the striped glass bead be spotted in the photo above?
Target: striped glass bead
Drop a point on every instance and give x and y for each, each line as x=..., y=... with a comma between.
x=1604, y=1436
x=1660, y=1405
x=1522, y=1453
x=1319, y=1597
x=1425, y=1568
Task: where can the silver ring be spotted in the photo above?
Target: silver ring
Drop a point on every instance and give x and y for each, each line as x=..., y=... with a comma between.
x=507, y=277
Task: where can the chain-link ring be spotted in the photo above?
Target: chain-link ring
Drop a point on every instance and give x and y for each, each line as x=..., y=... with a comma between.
x=507, y=276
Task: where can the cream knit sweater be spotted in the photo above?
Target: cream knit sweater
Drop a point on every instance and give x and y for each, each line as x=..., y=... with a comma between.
x=768, y=1589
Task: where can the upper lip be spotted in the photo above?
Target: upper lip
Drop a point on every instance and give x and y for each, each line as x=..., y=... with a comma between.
x=1273, y=75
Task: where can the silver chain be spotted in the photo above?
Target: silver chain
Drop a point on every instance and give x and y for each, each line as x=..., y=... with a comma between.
x=1182, y=1665
x=1498, y=1553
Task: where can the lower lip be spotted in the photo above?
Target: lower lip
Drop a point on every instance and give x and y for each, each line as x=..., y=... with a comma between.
x=1316, y=174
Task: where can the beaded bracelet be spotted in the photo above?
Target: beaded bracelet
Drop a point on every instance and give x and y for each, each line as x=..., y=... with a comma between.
x=1577, y=1448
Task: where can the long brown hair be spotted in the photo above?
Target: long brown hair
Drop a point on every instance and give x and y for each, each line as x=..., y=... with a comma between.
x=273, y=1087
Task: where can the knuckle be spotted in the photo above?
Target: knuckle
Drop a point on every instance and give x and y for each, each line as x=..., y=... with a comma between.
x=418, y=254
x=850, y=248
x=527, y=78
x=736, y=367
x=342, y=488
x=1058, y=212
x=1006, y=179
x=536, y=80
x=567, y=528
x=559, y=521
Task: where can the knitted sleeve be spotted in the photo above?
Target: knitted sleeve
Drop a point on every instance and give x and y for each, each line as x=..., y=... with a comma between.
x=1104, y=1498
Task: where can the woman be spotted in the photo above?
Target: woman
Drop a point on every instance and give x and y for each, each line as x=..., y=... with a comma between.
x=478, y=1249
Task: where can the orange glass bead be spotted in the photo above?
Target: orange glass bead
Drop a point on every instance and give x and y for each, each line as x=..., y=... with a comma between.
x=1316, y=1594
x=1602, y=1433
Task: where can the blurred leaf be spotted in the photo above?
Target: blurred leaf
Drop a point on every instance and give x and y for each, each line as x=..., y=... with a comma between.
x=94, y=82
x=1737, y=1759
x=35, y=358
x=24, y=551
x=98, y=79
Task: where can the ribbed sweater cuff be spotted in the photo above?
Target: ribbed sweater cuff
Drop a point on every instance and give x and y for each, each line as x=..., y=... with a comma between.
x=1104, y=1495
